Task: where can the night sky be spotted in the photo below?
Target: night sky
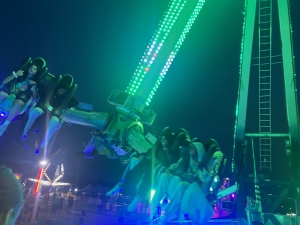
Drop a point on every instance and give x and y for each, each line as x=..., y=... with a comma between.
x=100, y=44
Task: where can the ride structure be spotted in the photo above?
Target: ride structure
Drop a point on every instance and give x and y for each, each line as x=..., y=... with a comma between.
x=59, y=173
x=122, y=131
x=267, y=64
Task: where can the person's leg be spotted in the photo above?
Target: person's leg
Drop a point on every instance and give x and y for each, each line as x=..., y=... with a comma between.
x=13, y=112
x=53, y=125
x=195, y=204
x=137, y=199
x=161, y=188
x=172, y=209
x=133, y=162
x=33, y=115
x=166, y=185
x=3, y=95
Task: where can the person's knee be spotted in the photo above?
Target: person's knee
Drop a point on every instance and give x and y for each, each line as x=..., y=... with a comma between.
x=133, y=162
x=36, y=112
x=176, y=179
x=19, y=102
x=54, y=120
x=3, y=95
x=165, y=176
x=182, y=186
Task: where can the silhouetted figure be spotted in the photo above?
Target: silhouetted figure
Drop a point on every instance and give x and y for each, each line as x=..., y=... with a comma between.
x=82, y=218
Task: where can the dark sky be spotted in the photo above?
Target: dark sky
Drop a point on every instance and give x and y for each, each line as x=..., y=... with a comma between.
x=100, y=44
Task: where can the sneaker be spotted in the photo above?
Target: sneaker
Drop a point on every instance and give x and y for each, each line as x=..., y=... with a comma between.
x=132, y=207
x=115, y=189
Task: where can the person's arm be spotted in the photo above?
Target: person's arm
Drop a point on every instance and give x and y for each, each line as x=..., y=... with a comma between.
x=14, y=75
x=168, y=155
x=34, y=91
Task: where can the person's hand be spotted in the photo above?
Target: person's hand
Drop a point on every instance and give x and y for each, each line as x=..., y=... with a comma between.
x=19, y=73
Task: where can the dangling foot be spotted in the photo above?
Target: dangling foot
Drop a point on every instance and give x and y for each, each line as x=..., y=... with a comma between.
x=115, y=189
x=134, y=204
x=24, y=137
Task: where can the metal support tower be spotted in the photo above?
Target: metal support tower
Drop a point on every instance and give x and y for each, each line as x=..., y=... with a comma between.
x=265, y=62
x=265, y=72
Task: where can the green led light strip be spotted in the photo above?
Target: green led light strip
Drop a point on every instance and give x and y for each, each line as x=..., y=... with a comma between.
x=169, y=19
x=240, y=85
x=175, y=50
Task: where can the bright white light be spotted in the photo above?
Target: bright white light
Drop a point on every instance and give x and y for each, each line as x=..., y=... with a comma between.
x=43, y=162
x=152, y=194
x=76, y=189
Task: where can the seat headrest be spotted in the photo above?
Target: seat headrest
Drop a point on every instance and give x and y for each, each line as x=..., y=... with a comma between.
x=40, y=63
x=66, y=82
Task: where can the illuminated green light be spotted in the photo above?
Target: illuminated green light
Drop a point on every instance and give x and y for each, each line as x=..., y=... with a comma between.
x=166, y=25
x=177, y=45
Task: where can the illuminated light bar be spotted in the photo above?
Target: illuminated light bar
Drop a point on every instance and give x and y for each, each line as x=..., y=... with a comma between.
x=37, y=185
x=46, y=175
x=47, y=167
x=58, y=178
x=238, y=93
x=187, y=28
x=54, y=184
x=163, y=47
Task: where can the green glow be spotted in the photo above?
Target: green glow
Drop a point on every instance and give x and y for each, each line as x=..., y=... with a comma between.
x=240, y=86
x=156, y=43
x=169, y=19
x=176, y=48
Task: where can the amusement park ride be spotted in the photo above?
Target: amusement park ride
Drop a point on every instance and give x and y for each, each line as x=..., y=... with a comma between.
x=59, y=173
x=122, y=131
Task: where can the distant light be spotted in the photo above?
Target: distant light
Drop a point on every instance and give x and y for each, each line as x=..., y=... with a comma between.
x=232, y=195
x=1, y=114
x=43, y=162
x=76, y=189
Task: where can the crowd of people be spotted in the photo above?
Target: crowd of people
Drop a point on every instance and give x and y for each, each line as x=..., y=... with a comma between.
x=52, y=203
